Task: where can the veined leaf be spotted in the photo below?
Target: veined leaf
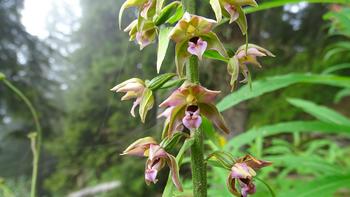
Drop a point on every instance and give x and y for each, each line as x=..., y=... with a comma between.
x=336, y=68
x=321, y=187
x=286, y=127
x=277, y=82
x=320, y=112
x=314, y=164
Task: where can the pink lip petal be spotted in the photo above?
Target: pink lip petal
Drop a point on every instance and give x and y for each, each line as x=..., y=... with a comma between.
x=198, y=48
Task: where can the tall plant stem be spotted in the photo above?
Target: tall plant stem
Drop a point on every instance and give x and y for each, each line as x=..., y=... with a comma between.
x=36, y=143
x=199, y=172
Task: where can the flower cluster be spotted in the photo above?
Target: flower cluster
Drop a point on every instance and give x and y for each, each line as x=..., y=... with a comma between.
x=190, y=104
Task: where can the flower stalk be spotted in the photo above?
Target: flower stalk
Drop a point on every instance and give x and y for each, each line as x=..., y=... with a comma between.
x=36, y=138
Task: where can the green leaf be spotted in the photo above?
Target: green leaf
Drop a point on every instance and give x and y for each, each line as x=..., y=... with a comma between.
x=312, y=163
x=167, y=12
x=172, y=83
x=2, y=76
x=320, y=112
x=170, y=188
x=278, y=3
x=336, y=68
x=163, y=43
x=212, y=54
x=209, y=131
x=215, y=4
x=321, y=187
x=287, y=127
x=177, y=15
x=341, y=94
x=160, y=80
x=270, y=84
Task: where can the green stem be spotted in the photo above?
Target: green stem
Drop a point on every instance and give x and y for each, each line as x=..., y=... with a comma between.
x=37, y=147
x=199, y=175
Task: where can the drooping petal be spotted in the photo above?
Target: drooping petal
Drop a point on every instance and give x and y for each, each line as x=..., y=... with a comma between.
x=139, y=146
x=174, y=169
x=231, y=185
x=211, y=112
x=135, y=104
x=129, y=95
x=232, y=10
x=198, y=48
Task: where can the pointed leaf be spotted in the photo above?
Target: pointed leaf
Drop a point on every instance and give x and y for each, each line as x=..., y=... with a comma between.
x=160, y=80
x=320, y=112
x=163, y=43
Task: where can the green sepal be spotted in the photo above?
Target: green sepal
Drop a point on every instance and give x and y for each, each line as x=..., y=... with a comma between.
x=146, y=104
x=159, y=81
x=215, y=5
x=233, y=70
x=177, y=15
x=242, y=20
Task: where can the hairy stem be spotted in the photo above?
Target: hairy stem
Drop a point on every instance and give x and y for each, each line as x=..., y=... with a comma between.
x=199, y=172
x=36, y=144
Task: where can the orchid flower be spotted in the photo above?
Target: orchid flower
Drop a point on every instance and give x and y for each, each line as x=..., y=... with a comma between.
x=243, y=172
x=147, y=8
x=193, y=36
x=157, y=159
x=233, y=10
x=135, y=89
x=187, y=105
x=143, y=31
x=244, y=56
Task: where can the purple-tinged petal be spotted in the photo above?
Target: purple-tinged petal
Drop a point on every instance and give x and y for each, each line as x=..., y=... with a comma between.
x=166, y=113
x=151, y=175
x=242, y=170
x=174, y=169
x=139, y=147
x=132, y=80
x=232, y=10
x=192, y=119
x=198, y=48
x=142, y=40
x=135, y=104
x=136, y=87
x=176, y=98
x=204, y=95
x=145, y=7
x=247, y=187
x=156, y=152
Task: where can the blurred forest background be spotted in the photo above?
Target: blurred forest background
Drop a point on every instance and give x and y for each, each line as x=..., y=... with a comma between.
x=68, y=74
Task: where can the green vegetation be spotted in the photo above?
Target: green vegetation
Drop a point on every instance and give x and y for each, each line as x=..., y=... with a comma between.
x=295, y=114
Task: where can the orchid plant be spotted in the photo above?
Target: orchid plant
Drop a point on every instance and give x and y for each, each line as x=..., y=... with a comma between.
x=190, y=103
